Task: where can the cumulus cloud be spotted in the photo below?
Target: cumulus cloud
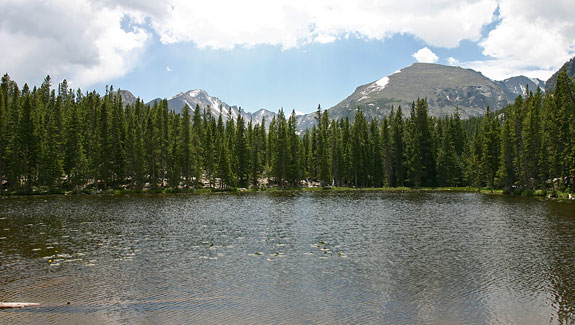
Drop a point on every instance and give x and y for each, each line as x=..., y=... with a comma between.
x=452, y=61
x=425, y=55
x=73, y=40
x=224, y=24
x=90, y=41
x=533, y=38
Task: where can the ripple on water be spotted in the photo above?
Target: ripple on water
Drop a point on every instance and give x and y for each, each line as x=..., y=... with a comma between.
x=370, y=257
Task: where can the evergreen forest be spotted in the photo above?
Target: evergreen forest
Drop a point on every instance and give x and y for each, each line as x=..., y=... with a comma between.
x=62, y=140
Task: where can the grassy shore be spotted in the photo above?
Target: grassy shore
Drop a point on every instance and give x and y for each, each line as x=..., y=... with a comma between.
x=200, y=191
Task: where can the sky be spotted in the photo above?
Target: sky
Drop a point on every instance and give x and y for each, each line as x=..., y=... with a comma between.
x=291, y=54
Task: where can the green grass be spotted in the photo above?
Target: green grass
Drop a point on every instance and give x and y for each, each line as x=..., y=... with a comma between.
x=208, y=191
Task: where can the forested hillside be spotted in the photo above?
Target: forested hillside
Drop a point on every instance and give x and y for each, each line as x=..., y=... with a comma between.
x=55, y=140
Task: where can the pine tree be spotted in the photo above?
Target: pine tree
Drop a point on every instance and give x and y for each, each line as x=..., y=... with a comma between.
x=564, y=117
x=447, y=159
x=308, y=154
x=198, y=147
x=506, y=170
x=397, y=148
x=257, y=147
x=279, y=149
x=460, y=143
x=224, y=166
x=11, y=138
x=118, y=136
x=51, y=143
x=241, y=153
x=27, y=140
x=165, y=136
x=375, y=158
x=532, y=140
x=293, y=151
x=320, y=164
x=336, y=146
x=414, y=159
x=324, y=168
x=209, y=126
x=173, y=163
x=428, y=173
x=490, y=150
x=517, y=116
x=360, y=147
x=2, y=141
x=185, y=146
x=73, y=145
x=475, y=173
x=135, y=145
x=387, y=153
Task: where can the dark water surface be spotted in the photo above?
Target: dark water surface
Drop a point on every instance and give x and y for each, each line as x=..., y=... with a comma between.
x=341, y=257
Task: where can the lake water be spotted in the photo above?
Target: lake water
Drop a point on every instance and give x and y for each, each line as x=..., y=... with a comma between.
x=310, y=257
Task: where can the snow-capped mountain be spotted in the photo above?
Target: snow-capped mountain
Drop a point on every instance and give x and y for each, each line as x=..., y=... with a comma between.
x=445, y=87
x=214, y=105
x=519, y=85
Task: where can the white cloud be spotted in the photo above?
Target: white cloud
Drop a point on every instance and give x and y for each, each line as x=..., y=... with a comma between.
x=533, y=38
x=75, y=40
x=84, y=40
x=425, y=55
x=168, y=69
x=503, y=69
x=225, y=24
x=452, y=61
x=90, y=41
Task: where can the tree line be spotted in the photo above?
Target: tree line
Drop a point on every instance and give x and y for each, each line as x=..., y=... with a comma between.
x=55, y=140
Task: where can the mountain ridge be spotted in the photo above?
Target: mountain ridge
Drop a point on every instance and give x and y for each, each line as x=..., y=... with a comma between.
x=569, y=66
x=446, y=88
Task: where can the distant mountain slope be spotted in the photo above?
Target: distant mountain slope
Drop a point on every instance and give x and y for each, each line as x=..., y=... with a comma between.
x=445, y=88
x=127, y=97
x=518, y=85
x=569, y=66
x=204, y=100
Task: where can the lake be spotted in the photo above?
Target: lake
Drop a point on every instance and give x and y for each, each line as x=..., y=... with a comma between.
x=289, y=257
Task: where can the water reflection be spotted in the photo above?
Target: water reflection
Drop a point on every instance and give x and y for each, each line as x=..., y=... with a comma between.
x=561, y=260
x=397, y=258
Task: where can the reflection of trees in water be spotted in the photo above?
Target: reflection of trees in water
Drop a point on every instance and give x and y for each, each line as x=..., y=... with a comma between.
x=563, y=263
x=564, y=290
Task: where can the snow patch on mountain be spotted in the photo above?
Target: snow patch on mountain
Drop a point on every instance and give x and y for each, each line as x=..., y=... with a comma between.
x=194, y=93
x=382, y=82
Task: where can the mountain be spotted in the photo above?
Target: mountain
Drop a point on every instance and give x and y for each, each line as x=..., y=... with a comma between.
x=445, y=87
x=127, y=97
x=517, y=85
x=204, y=100
x=198, y=97
x=569, y=66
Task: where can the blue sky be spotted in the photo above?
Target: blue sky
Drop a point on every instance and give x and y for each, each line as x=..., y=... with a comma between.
x=270, y=54
x=267, y=76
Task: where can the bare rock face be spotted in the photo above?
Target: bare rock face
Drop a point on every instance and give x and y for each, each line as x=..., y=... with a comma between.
x=569, y=66
x=214, y=106
x=446, y=88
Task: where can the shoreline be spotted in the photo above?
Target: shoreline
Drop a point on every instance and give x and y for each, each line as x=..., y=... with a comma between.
x=205, y=191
